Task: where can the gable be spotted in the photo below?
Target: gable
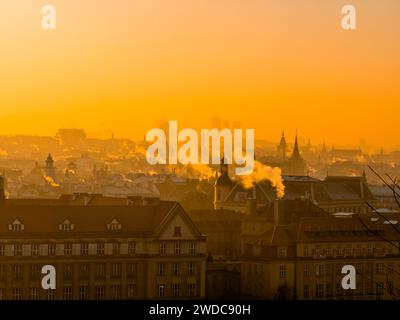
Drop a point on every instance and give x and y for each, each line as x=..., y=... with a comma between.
x=178, y=227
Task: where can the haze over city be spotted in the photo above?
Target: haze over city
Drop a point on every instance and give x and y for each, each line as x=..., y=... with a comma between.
x=271, y=64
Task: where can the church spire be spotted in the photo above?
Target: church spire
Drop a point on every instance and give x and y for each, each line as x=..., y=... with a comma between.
x=296, y=152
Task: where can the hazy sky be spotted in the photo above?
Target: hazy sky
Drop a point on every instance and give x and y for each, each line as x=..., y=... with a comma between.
x=124, y=65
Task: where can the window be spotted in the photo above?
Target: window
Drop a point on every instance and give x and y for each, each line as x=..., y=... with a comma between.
x=191, y=268
x=306, y=291
x=162, y=249
x=379, y=268
x=35, y=249
x=176, y=289
x=319, y=270
x=115, y=291
x=114, y=225
x=100, y=270
x=161, y=269
x=100, y=248
x=379, y=289
x=177, y=248
x=131, y=269
x=35, y=271
x=115, y=248
x=67, y=293
x=132, y=248
x=2, y=250
x=84, y=271
x=319, y=290
x=66, y=226
x=282, y=252
x=84, y=249
x=282, y=271
x=177, y=232
x=34, y=294
x=192, y=248
x=306, y=270
x=51, y=249
x=99, y=292
x=17, y=273
x=83, y=293
x=18, y=250
x=161, y=290
x=17, y=294
x=67, y=271
x=305, y=251
x=192, y=289
x=328, y=269
x=3, y=271
x=131, y=290
x=115, y=270
x=176, y=269
x=68, y=249
x=17, y=225
x=50, y=294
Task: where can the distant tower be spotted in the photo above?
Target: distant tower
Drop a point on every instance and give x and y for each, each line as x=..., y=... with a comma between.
x=296, y=153
x=282, y=147
x=223, y=185
x=323, y=148
x=50, y=169
x=296, y=165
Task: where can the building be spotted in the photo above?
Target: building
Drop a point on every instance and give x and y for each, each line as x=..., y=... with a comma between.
x=334, y=193
x=304, y=260
x=102, y=248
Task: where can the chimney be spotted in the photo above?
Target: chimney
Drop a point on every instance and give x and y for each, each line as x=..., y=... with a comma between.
x=2, y=190
x=278, y=211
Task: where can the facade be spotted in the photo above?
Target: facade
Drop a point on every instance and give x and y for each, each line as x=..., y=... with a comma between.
x=305, y=261
x=102, y=248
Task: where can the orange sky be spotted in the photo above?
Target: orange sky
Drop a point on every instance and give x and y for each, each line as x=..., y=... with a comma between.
x=124, y=65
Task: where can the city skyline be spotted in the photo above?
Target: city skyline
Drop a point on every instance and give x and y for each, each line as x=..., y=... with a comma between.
x=122, y=68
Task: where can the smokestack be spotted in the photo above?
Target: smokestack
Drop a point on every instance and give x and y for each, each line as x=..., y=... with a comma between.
x=2, y=190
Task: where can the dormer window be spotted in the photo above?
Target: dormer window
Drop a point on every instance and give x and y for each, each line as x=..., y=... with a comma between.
x=17, y=225
x=114, y=225
x=67, y=225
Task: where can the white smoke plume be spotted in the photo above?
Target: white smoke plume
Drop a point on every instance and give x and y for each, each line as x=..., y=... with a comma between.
x=261, y=173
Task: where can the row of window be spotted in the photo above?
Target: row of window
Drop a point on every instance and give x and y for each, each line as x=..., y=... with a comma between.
x=378, y=268
x=359, y=250
x=66, y=225
x=322, y=290
x=176, y=290
x=67, y=293
x=85, y=249
x=177, y=269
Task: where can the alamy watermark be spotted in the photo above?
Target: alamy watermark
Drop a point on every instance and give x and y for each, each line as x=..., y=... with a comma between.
x=190, y=151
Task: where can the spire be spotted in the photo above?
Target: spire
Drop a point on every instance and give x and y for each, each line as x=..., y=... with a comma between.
x=296, y=152
x=282, y=146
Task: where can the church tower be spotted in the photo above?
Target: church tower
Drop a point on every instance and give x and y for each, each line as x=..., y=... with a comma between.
x=223, y=185
x=282, y=147
x=296, y=164
x=50, y=169
x=296, y=153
